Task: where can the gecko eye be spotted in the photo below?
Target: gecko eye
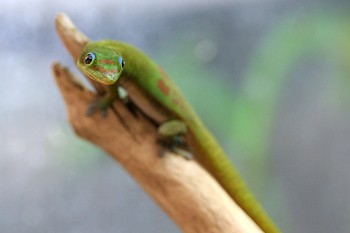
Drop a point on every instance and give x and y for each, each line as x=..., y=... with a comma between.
x=90, y=58
x=121, y=61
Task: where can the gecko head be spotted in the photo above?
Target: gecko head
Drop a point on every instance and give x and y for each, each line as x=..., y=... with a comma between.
x=101, y=63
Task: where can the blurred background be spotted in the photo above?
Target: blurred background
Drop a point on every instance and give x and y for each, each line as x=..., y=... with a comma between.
x=271, y=78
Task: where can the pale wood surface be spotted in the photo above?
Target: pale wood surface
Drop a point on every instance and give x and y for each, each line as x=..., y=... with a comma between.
x=182, y=188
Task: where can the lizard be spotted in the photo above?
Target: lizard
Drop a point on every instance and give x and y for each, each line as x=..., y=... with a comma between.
x=118, y=64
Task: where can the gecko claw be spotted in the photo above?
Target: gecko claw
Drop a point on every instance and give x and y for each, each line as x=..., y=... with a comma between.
x=187, y=155
x=174, y=145
x=91, y=109
x=162, y=152
x=97, y=104
x=104, y=112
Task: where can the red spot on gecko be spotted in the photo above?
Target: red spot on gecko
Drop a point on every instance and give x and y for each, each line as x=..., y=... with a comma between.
x=163, y=87
x=106, y=71
x=162, y=72
x=107, y=61
x=176, y=102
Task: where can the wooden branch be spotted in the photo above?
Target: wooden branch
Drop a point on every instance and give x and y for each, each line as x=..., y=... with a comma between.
x=190, y=196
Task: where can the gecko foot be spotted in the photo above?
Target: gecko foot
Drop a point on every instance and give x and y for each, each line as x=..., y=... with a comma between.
x=175, y=144
x=98, y=104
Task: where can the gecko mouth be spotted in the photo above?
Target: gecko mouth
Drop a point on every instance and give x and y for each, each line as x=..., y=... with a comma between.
x=107, y=79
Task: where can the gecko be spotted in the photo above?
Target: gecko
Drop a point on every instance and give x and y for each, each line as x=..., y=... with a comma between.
x=118, y=64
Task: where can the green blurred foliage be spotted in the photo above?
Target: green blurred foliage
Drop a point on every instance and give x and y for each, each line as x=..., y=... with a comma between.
x=321, y=34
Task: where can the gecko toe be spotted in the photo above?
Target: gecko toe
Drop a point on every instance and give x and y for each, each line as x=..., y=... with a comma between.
x=104, y=113
x=162, y=152
x=91, y=109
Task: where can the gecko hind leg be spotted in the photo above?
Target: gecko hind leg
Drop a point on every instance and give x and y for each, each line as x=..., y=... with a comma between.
x=170, y=136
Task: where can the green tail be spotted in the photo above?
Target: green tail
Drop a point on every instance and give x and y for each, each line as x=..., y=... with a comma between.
x=214, y=159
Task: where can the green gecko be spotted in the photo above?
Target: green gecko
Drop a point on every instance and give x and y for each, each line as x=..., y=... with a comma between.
x=117, y=64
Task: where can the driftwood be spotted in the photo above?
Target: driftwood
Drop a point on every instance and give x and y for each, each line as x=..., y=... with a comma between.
x=185, y=191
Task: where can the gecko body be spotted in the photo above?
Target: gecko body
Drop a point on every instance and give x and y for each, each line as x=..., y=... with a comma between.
x=115, y=63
